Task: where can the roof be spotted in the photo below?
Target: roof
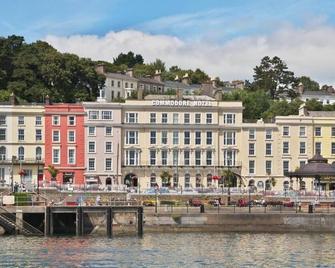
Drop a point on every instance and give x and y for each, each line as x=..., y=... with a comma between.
x=150, y=81
x=180, y=85
x=321, y=113
x=317, y=166
x=121, y=76
x=173, y=97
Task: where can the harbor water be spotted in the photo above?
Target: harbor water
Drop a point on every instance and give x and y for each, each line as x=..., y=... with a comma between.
x=171, y=250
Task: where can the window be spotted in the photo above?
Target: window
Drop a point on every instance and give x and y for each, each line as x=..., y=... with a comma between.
x=251, y=166
x=71, y=120
x=21, y=153
x=55, y=155
x=175, y=137
x=318, y=148
x=2, y=119
x=132, y=157
x=198, y=137
x=108, y=131
x=197, y=157
x=153, y=182
x=2, y=134
x=187, y=180
x=209, y=118
x=229, y=119
x=302, y=163
x=152, y=118
x=175, y=180
x=112, y=83
x=252, y=134
x=333, y=148
x=91, y=131
x=93, y=115
x=21, y=135
x=38, y=120
x=164, y=157
x=91, y=146
x=175, y=118
x=186, y=118
x=186, y=137
x=131, y=85
x=175, y=157
x=186, y=158
x=251, y=148
x=2, y=153
x=131, y=137
x=229, y=138
x=286, y=131
x=106, y=115
x=209, y=137
x=55, y=136
x=286, y=166
x=209, y=155
x=164, y=137
x=268, y=167
x=286, y=147
x=302, y=131
x=20, y=120
x=317, y=131
x=108, y=147
x=333, y=131
x=164, y=118
x=108, y=164
x=268, y=134
x=126, y=85
x=118, y=84
x=302, y=147
x=71, y=136
x=38, y=153
x=38, y=134
x=71, y=156
x=229, y=157
x=55, y=120
x=91, y=164
x=152, y=157
x=131, y=117
x=152, y=137
x=198, y=118
x=268, y=149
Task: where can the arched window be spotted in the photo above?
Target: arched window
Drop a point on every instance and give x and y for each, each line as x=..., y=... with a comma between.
x=302, y=185
x=153, y=181
x=38, y=153
x=187, y=181
x=268, y=185
x=286, y=185
x=260, y=185
x=175, y=180
x=21, y=153
x=209, y=180
x=2, y=153
x=251, y=183
x=198, y=180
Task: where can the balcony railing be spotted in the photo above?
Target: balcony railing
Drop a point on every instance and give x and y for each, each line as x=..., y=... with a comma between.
x=235, y=164
x=24, y=161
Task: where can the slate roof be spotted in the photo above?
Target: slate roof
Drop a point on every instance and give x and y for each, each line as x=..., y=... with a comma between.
x=180, y=85
x=121, y=76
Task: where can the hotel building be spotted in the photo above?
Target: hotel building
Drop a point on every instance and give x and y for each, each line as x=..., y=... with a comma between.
x=21, y=144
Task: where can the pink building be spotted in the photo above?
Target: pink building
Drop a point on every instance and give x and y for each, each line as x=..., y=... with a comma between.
x=65, y=142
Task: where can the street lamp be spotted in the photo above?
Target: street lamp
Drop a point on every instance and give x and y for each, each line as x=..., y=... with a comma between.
x=249, y=187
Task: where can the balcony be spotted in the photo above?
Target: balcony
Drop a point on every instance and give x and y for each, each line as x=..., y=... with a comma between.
x=236, y=164
x=4, y=161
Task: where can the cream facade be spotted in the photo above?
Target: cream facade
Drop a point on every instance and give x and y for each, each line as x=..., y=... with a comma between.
x=21, y=144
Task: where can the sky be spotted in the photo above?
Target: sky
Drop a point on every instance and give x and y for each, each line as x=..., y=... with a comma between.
x=223, y=38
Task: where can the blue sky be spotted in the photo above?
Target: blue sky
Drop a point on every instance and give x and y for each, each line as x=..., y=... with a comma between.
x=239, y=31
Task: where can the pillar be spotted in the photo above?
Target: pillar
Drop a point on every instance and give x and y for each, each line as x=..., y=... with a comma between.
x=19, y=220
x=140, y=221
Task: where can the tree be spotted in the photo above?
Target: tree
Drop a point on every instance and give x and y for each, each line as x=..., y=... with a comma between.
x=308, y=83
x=273, y=76
x=314, y=105
x=128, y=59
x=229, y=180
x=53, y=172
x=282, y=108
x=166, y=177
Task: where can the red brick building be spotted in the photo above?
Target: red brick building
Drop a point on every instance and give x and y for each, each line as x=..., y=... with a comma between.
x=65, y=142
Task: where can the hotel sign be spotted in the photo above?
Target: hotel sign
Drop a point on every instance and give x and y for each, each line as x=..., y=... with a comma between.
x=182, y=103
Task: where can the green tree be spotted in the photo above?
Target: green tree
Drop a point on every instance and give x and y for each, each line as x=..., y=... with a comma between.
x=166, y=178
x=129, y=59
x=273, y=76
x=308, y=83
x=314, y=105
x=53, y=172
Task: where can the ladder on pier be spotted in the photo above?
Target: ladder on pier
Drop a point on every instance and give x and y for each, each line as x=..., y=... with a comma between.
x=11, y=224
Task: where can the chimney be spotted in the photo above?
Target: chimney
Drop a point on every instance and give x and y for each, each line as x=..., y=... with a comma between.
x=12, y=99
x=179, y=94
x=300, y=88
x=130, y=72
x=214, y=83
x=303, y=110
x=140, y=92
x=218, y=95
x=185, y=80
x=157, y=75
x=47, y=100
x=176, y=78
x=100, y=69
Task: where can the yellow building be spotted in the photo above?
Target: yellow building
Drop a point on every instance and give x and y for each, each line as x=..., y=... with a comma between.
x=21, y=144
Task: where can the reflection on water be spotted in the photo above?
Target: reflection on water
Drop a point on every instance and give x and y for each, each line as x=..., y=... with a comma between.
x=172, y=250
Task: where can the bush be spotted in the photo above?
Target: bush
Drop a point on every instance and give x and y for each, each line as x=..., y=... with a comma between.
x=23, y=199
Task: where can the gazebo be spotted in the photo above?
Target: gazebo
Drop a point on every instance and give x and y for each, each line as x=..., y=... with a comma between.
x=317, y=168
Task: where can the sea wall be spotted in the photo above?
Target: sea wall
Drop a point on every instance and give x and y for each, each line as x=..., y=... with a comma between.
x=240, y=222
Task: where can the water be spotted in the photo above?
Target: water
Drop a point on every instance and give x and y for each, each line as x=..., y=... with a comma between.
x=172, y=250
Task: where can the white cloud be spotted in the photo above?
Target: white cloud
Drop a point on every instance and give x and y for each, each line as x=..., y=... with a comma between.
x=307, y=51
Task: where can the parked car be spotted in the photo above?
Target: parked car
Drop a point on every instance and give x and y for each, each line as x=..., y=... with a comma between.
x=288, y=204
x=195, y=202
x=189, y=191
x=164, y=190
x=149, y=203
x=150, y=191
x=260, y=202
x=216, y=202
x=242, y=203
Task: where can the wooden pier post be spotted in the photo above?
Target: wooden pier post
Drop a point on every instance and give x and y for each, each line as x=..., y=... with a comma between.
x=47, y=221
x=109, y=221
x=140, y=221
x=79, y=221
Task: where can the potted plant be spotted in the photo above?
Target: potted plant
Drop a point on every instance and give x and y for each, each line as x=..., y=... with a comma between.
x=166, y=177
x=53, y=172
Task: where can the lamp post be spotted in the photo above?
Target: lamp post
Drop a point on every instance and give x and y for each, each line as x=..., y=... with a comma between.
x=38, y=173
x=249, y=199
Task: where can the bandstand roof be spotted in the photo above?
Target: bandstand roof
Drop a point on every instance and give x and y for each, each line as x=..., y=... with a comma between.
x=317, y=166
